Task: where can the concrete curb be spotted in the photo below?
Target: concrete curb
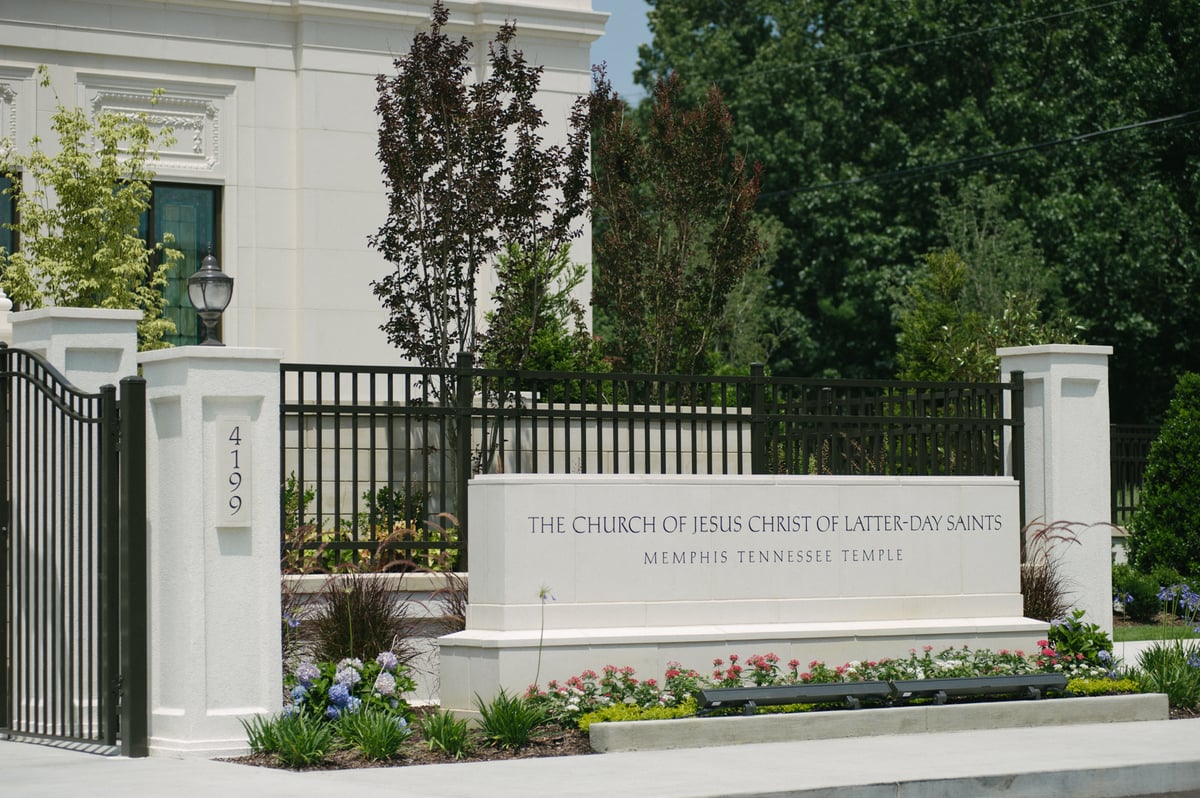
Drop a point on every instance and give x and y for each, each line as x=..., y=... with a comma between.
x=740, y=730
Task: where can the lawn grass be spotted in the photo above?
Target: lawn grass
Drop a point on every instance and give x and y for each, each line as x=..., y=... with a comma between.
x=1153, y=631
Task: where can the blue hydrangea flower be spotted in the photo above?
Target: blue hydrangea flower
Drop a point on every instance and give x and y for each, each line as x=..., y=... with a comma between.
x=387, y=660
x=289, y=710
x=385, y=683
x=306, y=672
x=1103, y=656
x=350, y=662
x=332, y=712
x=339, y=695
x=298, y=693
x=353, y=705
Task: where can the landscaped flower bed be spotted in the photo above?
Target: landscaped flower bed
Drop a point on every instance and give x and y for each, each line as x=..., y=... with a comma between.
x=352, y=714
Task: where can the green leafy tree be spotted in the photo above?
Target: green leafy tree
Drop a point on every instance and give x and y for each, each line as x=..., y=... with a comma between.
x=675, y=231
x=77, y=219
x=753, y=327
x=939, y=335
x=468, y=176
x=866, y=114
x=1162, y=531
x=990, y=289
x=536, y=322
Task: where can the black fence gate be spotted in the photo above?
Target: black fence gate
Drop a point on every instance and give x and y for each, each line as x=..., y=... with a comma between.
x=72, y=558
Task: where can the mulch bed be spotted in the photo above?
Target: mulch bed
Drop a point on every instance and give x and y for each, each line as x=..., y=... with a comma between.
x=550, y=741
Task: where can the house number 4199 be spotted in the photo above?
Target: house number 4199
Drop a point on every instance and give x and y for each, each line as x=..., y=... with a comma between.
x=232, y=489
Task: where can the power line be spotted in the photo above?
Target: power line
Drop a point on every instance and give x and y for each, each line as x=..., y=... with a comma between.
x=913, y=171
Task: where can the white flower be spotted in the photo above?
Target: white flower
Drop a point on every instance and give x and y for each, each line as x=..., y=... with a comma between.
x=347, y=676
x=385, y=683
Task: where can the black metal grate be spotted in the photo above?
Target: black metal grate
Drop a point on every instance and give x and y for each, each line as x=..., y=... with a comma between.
x=375, y=461
x=1130, y=449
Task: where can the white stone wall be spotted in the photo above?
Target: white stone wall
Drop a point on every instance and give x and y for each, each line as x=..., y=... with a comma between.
x=275, y=103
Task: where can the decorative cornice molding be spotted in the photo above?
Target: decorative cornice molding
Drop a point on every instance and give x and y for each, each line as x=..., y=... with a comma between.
x=8, y=112
x=195, y=121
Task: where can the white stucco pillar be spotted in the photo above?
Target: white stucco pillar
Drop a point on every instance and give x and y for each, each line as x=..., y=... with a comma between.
x=213, y=505
x=90, y=346
x=5, y=320
x=1067, y=469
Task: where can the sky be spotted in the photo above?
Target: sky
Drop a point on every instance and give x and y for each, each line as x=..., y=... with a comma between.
x=626, y=29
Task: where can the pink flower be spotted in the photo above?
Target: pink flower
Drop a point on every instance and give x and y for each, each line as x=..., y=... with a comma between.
x=718, y=662
x=806, y=677
x=928, y=649
x=793, y=663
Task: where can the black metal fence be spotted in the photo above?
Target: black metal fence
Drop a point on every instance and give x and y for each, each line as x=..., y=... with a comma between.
x=375, y=460
x=1129, y=451
x=72, y=558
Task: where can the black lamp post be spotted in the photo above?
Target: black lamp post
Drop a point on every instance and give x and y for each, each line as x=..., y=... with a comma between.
x=209, y=291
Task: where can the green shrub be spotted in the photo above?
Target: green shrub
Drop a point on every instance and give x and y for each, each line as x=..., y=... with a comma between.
x=509, y=720
x=260, y=733
x=1086, y=687
x=301, y=740
x=1166, y=575
x=1138, y=592
x=1162, y=529
x=1073, y=636
x=378, y=735
x=621, y=712
x=446, y=733
x=1172, y=668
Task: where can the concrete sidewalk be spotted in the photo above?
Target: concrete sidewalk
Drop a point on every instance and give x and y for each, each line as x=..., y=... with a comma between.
x=1093, y=761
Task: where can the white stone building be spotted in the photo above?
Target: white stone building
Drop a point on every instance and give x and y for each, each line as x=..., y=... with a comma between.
x=273, y=107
